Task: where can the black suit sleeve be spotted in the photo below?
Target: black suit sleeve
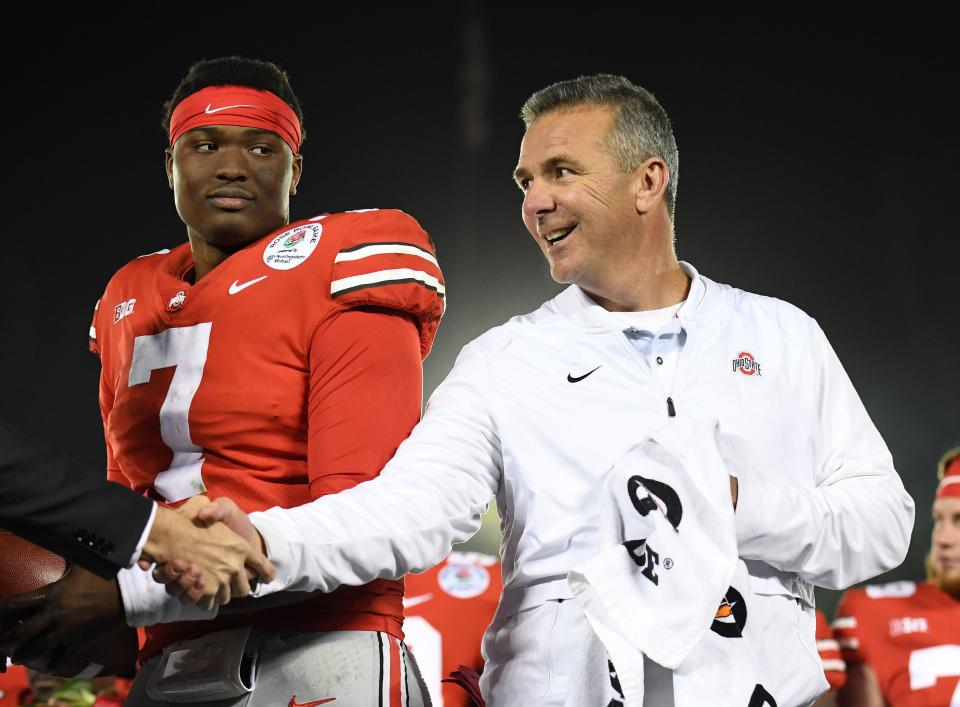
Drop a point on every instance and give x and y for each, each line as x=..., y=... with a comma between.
x=49, y=501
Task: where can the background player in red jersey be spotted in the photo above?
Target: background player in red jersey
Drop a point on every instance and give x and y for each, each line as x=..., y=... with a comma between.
x=269, y=362
x=901, y=641
x=834, y=668
x=447, y=609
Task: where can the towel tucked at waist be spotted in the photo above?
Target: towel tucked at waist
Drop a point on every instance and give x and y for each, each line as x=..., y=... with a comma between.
x=666, y=597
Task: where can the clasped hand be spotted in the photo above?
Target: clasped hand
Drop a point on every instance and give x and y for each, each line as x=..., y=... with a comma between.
x=57, y=620
x=193, y=545
x=183, y=575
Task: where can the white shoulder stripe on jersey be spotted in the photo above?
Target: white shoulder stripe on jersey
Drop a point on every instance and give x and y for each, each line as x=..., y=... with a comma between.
x=385, y=277
x=827, y=644
x=835, y=665
x=162, y=251
x=850, y=644
x=93, y=333
x=384, y=249
x=844, y=622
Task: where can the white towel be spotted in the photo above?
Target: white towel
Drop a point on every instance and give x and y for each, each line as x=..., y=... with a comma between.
x=663, y=587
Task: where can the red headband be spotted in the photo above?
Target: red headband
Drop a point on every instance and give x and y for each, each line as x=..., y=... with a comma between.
x=236, y=105
x=950, y=483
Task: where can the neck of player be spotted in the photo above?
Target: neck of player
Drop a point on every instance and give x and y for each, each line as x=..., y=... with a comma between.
x=207, y=256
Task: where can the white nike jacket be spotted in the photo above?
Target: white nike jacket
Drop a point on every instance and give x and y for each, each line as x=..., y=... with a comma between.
x=819, y=500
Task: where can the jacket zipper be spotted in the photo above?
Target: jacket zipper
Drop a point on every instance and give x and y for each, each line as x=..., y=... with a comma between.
x=671, y=407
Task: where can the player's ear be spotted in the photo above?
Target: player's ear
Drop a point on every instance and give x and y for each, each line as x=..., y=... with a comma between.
x=297, y=172
x=168, y=163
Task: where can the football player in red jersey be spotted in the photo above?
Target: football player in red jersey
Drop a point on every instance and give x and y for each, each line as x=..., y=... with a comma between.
x=834, y=668
x=14, y=685
x=447, y=609
x=901, y=641
x=268, y=361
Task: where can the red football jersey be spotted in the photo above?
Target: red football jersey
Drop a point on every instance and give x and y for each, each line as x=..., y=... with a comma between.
x=909, y=634
x=447, y=609
x=14, y=685
x=290, y=371
x=833, y=666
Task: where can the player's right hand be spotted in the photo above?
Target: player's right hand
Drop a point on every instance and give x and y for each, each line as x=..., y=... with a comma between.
x=184, y=575
x=201, y=559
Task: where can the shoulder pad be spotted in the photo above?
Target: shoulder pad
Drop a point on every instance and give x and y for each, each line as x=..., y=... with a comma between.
x=92, y=336
x=891, y=590
x=386, y=260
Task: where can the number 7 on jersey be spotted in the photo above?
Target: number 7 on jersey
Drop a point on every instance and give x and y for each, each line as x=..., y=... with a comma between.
x=185, y=348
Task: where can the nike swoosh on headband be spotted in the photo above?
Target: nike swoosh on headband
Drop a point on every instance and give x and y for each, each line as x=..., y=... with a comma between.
x=208, y=110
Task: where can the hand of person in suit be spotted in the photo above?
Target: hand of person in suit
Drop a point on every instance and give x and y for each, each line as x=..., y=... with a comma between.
x=181, y=575
x=213, y=557
x=56, y=620
x=47, y=624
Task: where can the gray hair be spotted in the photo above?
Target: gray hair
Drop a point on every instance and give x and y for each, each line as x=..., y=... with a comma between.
x=641, y=127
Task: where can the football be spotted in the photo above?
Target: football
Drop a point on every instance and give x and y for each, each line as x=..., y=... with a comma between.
x=25, y=567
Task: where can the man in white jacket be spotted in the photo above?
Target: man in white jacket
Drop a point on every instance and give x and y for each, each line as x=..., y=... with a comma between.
x=537, y=411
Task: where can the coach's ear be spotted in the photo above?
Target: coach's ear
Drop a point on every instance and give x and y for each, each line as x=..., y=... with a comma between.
x=650, y=183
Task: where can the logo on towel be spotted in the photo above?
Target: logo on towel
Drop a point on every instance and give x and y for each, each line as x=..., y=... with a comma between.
x=615, y=684
x=746, y=363
x=731, y=615
x=645, y=557
x=658, y=496
x=761, y=698
x=650, y=495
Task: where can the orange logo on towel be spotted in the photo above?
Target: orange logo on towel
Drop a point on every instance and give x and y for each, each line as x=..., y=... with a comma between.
x=731, y=615
x=725, y=610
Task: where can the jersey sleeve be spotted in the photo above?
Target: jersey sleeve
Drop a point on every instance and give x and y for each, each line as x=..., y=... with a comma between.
x=847, y=626
x=834, y=668
x=96, y=344
x=431, y=495
x=365, y=392
x=92, y=341
x=387, y=261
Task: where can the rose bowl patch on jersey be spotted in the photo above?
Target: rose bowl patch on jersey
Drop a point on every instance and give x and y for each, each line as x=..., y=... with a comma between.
x=293, y=246
x=464, y=581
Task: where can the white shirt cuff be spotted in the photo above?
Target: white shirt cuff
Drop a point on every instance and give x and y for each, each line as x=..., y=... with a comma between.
x=279, y=552
x=146, y=602
x=143, y=537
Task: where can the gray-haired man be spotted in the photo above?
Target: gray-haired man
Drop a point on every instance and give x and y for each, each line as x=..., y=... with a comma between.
x=538, y=410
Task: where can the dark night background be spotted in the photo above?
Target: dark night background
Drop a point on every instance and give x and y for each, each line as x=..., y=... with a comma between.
x=817, y=164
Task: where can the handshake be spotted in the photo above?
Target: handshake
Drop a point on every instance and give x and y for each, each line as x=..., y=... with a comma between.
x=206, y=552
